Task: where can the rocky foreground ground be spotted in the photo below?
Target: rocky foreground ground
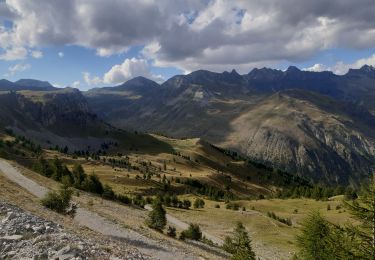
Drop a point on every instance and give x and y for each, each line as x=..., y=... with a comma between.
x=26, y=236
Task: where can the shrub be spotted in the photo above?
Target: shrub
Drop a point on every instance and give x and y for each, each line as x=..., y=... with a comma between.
x=286, y=221
x=149, y=200
x=233, y=206
x=186, y=204
x=123, y=199
x=108, y=192
x=139, y=201
x=199, y=203
x=171, y=231
x=217, y=206
x=92, y=184
x=193, y=232
x=350, y=194
x=58, y=201
x=157, y=217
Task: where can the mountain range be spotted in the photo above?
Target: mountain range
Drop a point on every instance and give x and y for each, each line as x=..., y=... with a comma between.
x=314, y=124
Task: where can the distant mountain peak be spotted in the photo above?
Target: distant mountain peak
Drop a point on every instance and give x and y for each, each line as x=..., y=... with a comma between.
x=5, y=81
x=264, y=73
x=140, y=80
x=26, y=84
x=364, y=70
x=367, y=68
x=33, y=83
x=137, y=84
x=293, y=69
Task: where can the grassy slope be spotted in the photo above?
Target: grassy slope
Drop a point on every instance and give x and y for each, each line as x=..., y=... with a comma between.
x=271, y=238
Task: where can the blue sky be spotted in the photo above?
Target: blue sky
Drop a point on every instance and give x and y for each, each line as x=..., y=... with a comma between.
x=89, y=44
x=75, y=60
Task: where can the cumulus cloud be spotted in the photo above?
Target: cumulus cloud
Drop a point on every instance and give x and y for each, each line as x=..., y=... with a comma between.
x=17, y=68
x=342, y=68
x=14, y=53
x=317, y=68
x=76, y=84
x=125, y=71
x=194, y=34
x=129, y=69
x=37, y=54
x=95, y=80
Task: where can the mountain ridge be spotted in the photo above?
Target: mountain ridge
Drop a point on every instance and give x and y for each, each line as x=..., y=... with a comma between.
x=25, y=84
x=211, y=106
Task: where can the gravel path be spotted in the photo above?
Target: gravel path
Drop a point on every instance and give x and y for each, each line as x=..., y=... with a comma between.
x=99, y=224
x=14, y=175
x=183, y=225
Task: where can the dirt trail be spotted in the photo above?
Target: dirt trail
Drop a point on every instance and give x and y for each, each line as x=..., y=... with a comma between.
x=100, y=224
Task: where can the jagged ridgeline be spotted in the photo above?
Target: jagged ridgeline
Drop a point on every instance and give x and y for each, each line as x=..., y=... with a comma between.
x=316, y=124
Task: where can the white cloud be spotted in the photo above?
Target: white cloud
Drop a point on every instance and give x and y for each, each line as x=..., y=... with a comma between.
x=342, y=68
x=106, y=52
x=14, y=53
x=317, y=68
x=129, y=69
x=76, y=84
x=91, y=80
x=215, y=34
x=60, y=54
x=37, y=54
x=17, y=68
x=57, y=85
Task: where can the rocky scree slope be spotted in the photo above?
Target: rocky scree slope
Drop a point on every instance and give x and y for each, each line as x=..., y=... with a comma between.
x=25, y=236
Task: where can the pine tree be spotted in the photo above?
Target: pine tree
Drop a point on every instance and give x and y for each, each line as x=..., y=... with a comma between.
x=78, y=175
x=314, y=241
x=322, y=240
x=363, y=209
x=240, y=244
x=157, y=217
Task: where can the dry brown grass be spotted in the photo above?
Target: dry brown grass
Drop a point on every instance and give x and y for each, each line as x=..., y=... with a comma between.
x=127, y=216
x=269, y=236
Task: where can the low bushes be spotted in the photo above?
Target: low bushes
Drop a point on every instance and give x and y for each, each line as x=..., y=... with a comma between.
x=193, y=232
x=232, y=206
x=199, y=203
x=286, y=221
x=58, y=201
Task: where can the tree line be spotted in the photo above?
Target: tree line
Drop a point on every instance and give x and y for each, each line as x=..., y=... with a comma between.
x=78, y=179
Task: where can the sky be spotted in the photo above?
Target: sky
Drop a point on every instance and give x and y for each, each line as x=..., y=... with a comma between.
x=94, y=43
